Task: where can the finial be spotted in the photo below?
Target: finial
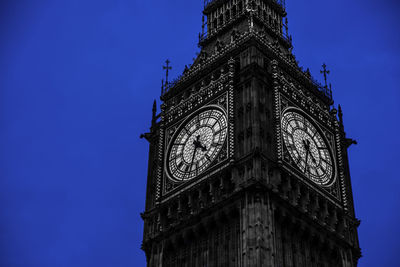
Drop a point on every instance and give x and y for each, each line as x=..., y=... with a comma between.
x=286, y=26
x=167, y=68
x=308, y=72
x=340, y=115
x=202, y=26
x=325, y=72
x=186, y=69
x=153, y=119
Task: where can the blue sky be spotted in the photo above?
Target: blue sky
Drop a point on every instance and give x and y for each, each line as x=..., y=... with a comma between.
x=77, y=82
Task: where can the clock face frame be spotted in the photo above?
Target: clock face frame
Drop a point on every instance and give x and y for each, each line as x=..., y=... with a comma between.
x=196, y=144
x=308, y=147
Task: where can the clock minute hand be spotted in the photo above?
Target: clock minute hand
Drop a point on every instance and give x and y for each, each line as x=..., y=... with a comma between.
x=307, y=147
x=194, y=154
x=312, y=157
x=306, y=144
x=196, y=146
x=306, y=165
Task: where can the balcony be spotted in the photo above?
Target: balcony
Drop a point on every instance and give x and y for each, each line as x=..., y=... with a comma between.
x=207, y=3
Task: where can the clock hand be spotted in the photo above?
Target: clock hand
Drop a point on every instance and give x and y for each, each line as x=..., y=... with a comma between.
x=196, y=142
x=306, y=144
x=308, y=152
x=313, y=158
x=306, y=165
x=194, y=154
x=191, y=163
x=203, y=148
x=307, y=147
x=196, y=146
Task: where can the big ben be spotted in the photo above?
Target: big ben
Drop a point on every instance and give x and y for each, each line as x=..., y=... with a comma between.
x=248, y=161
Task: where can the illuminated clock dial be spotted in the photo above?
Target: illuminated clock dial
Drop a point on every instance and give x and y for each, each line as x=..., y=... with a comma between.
x=307, y=147
x=196, y=144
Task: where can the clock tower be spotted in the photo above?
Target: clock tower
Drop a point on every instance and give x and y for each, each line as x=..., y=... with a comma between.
x=248, y=162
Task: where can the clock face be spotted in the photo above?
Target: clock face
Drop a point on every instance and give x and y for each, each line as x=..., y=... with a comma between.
x=196, y=144
x=308, y=148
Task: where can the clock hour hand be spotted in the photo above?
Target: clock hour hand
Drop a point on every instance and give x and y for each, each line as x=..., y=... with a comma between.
x=198, y=144
x=203, y=148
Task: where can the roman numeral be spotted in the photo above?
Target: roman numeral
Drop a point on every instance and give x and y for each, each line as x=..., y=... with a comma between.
x=197, y=121
x=179, y=144
x=321, y=170
x=215, y=144
x=219, y=117
x=324, y=160
x=291, y=147
x=176, y=156
x=315, y=133
x=208, y=119
x=219, y=131
x=285, y=131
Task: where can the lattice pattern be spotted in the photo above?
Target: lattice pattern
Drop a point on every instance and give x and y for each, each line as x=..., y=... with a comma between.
x=277, y=106
x=310, y=152
x=341, y=166
x=231, y=108
x=160, y=161
x=197, y=144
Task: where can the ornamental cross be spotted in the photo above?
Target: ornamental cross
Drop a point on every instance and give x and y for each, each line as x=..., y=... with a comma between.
x=325, y=72
x=167, y=68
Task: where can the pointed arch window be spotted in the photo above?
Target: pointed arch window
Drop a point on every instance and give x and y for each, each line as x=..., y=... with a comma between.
x=240, y=7
x=227, y=15
x=221, y=20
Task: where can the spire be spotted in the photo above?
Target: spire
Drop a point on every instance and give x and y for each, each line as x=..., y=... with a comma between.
x=202, y=26
x=286, y=26
x=340, y=115
x=153, y=119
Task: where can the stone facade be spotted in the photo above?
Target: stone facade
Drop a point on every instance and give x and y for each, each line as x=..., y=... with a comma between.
x=252, y=206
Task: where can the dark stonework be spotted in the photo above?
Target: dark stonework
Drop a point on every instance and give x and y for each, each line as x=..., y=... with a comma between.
x=262, y=200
